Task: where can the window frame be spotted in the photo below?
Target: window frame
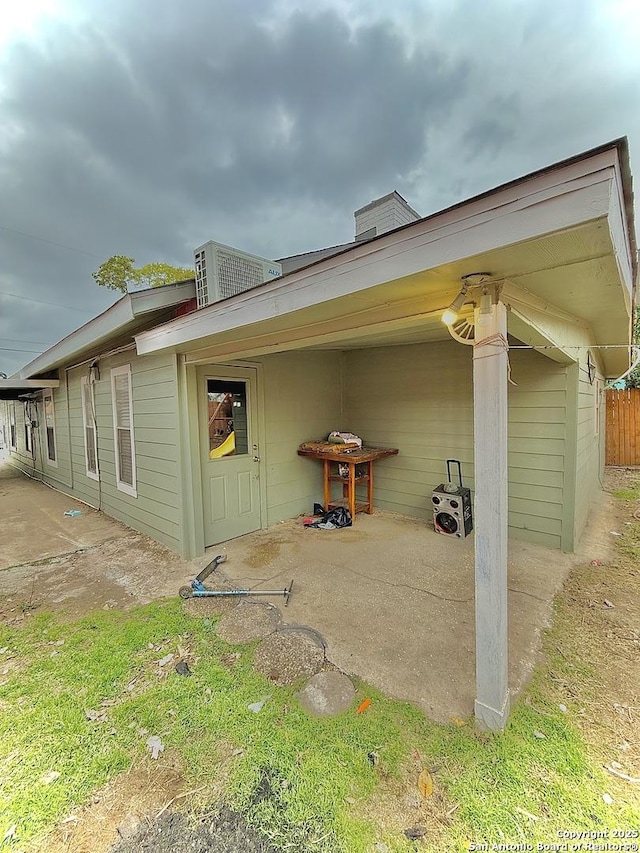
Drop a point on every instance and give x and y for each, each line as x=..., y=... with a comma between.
x=13, y=432
x=86, y=386
x=128, y=489
x=28, y=433
x=53, y=463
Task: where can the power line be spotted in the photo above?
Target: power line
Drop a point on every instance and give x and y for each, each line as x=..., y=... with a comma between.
x=22, y=341
x=8, y=349
x=42, y=302
x=50, y=242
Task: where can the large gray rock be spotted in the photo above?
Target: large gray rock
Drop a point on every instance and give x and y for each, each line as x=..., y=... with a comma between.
x=288, y=655
x=327, y=694
x=250, y=620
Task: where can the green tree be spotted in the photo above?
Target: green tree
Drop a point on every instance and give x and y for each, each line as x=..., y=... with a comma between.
x=120, y=273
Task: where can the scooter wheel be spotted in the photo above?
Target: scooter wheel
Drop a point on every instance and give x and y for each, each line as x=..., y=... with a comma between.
x=185, y=592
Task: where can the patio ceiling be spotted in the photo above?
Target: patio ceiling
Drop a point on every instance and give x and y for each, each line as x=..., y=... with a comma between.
x=572, y=273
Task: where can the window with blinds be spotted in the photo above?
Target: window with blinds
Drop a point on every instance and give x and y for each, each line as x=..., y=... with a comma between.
x=90, y=433
x=50, y=427
x=121, y=392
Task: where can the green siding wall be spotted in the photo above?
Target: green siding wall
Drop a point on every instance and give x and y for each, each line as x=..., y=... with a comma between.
x=590, y=444
x=302, y=398
x=156, y=509
x=419, y=399
x=36, y=463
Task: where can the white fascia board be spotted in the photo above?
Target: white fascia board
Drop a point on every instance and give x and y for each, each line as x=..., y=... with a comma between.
x=100, y=328
x=106, y=325
x=619, y=232
x=155, y=298
x=28, y=384
x=554, y=201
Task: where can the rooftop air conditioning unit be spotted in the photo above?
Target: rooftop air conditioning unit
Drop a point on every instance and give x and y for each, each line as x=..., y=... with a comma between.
x=222, y=272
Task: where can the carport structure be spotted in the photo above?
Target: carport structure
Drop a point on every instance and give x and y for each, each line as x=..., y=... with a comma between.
x=357, y=341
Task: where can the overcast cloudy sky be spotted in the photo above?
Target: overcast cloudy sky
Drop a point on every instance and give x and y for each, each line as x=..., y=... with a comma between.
x=145, y=127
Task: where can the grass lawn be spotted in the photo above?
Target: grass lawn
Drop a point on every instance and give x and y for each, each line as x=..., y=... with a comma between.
x=79, y=700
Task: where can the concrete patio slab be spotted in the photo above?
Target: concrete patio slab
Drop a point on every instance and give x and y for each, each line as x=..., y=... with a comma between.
x=395, y=602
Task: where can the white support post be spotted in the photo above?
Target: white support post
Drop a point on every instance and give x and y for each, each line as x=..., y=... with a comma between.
x=490, y=369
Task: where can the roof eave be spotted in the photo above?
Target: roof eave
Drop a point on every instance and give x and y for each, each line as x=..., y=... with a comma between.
x=107, y=325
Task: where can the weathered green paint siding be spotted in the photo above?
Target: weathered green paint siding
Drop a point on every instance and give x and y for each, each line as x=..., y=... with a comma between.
x=156, y=509
x=419, y=399
x=589, y=444
x=302, y=400
x=36, y=464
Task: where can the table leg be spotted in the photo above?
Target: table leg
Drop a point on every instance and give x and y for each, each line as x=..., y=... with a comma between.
x=327, y=484
x=352, y=490
x=370, y=488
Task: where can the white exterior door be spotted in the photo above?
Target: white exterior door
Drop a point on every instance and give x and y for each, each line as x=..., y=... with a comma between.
x=227, y=411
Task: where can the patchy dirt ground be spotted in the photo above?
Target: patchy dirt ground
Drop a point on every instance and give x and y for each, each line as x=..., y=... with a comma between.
x=603, y=601
x=119, y=810
x=222, y=831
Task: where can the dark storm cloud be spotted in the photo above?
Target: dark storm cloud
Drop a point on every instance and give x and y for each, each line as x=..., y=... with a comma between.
x=145, y=128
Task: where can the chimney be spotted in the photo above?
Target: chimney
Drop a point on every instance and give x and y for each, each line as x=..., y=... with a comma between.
x=382, y=215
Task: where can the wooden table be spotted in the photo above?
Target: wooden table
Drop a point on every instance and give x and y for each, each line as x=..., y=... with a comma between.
x=364, y=456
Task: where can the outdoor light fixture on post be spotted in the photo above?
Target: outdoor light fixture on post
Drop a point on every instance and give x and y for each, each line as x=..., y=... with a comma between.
x=474, y=279
x=451, y=314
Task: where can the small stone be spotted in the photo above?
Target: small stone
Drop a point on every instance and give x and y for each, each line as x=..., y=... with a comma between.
x=182, y=668
x=563, y=708
x=165, y=660
x=129, y=826
x=608, y=799
x=539, y=735
x=381, y=848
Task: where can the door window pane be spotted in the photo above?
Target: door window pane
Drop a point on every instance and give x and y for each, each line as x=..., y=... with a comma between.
x=228, y=420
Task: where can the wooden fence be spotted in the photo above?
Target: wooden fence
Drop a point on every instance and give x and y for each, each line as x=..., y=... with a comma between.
x=623, y=427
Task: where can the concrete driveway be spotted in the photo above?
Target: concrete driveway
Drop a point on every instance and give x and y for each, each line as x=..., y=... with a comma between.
x=393, y=600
